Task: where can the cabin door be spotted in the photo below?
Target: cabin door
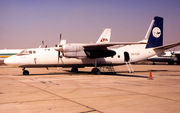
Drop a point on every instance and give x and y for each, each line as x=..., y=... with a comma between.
x=126, y=56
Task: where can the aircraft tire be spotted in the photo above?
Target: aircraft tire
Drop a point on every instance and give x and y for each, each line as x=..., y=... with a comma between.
x=74, y=69
x=171, y=63
x=178, y=62
x=25, y=72
x=95, y=71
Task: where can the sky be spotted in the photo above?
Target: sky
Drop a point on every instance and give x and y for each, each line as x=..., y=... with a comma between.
x=25, y=23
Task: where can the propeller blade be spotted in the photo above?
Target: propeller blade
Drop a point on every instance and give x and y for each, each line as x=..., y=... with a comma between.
x=60, y=37
x=43, y=43
x=172, y=52
x=58, y=56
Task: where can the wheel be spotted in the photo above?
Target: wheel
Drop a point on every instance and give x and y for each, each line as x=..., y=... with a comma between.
x=25, y=72
x=171, y=63
x=178, y=62
x=95, y=71
x=74, y=69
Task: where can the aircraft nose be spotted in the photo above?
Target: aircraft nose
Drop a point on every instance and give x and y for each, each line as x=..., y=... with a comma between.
x=9, y=61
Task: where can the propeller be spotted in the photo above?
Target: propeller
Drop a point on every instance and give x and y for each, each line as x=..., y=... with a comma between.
x=172, y=52
x=59, y=46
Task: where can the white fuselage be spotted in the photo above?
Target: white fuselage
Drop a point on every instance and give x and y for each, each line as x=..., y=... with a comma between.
x=48, y=57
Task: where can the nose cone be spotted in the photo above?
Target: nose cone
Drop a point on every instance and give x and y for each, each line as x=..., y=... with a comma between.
x=9, y=61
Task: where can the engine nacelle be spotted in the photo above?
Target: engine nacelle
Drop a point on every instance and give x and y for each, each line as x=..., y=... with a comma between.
x=74, y=51
x=79, y=54
x=72, y=48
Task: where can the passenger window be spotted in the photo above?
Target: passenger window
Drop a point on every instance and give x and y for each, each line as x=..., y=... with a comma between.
x=30, y=52
x=34, y=52
x=118, y=56
x=47, y=49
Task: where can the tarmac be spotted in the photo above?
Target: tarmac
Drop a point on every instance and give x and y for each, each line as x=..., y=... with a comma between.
x=53, y=91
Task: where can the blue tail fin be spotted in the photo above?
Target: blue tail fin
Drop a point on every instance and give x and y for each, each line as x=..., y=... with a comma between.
x=155, y=33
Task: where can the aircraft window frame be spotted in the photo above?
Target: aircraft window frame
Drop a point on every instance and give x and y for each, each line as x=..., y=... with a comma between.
x=30, y=52
x=22, y=52
x=26, y=52
x=47, y=49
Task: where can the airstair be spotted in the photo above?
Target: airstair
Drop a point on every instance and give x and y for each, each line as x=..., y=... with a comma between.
x=128, y=64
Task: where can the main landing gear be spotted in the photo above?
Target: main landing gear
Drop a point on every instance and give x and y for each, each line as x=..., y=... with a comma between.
x=95, y=70
x=25, y=72
x=74, y=69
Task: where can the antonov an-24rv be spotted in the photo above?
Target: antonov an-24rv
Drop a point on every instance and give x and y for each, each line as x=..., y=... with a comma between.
x=101, y=53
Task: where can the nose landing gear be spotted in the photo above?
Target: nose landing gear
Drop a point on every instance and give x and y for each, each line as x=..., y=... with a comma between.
x=25, y=72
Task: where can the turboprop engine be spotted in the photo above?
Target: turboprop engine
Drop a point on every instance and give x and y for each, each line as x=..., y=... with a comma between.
x=72, y=50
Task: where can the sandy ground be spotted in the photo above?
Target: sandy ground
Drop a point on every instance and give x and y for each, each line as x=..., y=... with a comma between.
x=53, y=91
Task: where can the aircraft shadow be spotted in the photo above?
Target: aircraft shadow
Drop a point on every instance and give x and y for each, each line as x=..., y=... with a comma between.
x=108, y=73
x=118, y=73
x=60, y=73
x=82, y=73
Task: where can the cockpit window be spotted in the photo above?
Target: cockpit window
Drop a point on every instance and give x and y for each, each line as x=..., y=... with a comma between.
x=21, y=52
x=26, y=52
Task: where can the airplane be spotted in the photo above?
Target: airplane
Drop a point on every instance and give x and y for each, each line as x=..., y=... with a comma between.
x=76, y=55
x=170, y=56
x=5, y=53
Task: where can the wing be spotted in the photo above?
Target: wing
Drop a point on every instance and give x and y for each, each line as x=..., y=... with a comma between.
x=99, y=50
x=105, y=45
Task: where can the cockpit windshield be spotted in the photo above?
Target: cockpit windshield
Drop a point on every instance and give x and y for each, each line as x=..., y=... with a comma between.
x=26, y=52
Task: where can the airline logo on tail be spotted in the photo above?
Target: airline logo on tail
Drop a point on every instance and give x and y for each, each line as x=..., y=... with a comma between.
x=156, y=32
x=104, y=40
x=105, y=36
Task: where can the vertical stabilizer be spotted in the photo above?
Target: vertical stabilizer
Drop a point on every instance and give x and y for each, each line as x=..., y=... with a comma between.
x=105, y=36
x=155, y=33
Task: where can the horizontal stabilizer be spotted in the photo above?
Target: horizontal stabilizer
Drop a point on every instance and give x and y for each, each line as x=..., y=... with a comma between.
x=167, y=46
